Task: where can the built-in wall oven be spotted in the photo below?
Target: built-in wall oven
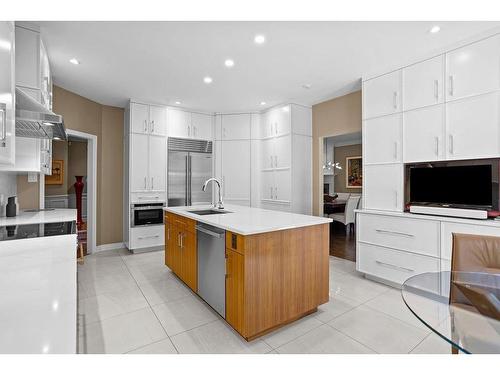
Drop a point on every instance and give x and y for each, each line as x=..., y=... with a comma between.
x=146, y=214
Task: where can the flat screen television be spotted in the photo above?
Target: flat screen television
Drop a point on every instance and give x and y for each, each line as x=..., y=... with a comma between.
x=454, y=186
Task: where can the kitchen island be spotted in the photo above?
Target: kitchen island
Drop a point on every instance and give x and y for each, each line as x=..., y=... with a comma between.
x=275, y=267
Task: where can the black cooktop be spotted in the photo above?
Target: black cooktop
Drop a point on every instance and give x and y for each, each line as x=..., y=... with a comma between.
x=17, y=232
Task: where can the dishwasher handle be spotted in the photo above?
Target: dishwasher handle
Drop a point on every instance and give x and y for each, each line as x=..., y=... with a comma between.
x=209, y=232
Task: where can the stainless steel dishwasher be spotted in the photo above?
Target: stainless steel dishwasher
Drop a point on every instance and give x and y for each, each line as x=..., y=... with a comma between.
x=212, y=266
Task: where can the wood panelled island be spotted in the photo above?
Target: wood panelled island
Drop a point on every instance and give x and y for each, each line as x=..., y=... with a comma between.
x=277, y=263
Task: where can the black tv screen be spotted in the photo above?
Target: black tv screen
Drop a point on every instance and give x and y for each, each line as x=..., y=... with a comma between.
x=469, y=185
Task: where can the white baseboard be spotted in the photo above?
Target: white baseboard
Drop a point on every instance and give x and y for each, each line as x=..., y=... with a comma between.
x=109, y=246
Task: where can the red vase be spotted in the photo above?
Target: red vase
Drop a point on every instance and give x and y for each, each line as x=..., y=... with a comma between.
x=78, y=191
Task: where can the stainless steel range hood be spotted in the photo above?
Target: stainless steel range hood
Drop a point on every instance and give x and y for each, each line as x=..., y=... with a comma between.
x=33, y=120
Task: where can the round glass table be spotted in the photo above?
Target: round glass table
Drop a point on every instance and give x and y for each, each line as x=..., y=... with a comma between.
x=461, y=307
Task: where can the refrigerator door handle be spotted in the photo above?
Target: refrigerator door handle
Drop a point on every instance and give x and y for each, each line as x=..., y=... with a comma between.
x=190, y=199
x=186, y=177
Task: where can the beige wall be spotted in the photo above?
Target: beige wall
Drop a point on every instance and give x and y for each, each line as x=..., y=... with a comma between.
x=340, y=154
x=331, y=118
x=77, y=163
x=106, y=123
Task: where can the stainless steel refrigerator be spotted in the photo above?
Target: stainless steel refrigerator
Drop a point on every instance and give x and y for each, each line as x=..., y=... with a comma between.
x=189, y=166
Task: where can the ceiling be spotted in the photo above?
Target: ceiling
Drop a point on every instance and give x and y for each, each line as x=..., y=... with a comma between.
x=165, y=62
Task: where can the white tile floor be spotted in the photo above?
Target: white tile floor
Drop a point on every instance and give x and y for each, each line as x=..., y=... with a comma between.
x=134, y=304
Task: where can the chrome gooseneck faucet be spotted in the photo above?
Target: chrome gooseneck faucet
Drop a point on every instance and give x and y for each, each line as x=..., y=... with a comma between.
x=220, y=204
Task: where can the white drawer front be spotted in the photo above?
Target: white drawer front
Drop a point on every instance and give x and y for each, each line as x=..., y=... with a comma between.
x=449, y=228
x=147, y=236
x=393, y=265
x=418, y=236
x=148, y=197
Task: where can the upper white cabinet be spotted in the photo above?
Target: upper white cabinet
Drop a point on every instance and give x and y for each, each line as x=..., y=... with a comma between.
x=236, y=170
x=423, y=83
x=473, y=69
x=473, y=127
x=202, y=126
x=382, y=139
x=382, y=95
x=139, y=163
x=185, y=124
x=157, y=163
x=276, y=121
x=424, y=134
x=28, y=58
x=234, y=127
x=7, y=81
x=148, y=119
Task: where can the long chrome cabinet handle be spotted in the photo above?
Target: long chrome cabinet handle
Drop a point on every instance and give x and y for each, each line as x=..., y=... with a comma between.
x=153, y=126
x=451, y=143
x=436, y=89
x=145, y=126
x=144, y=237
x=395, y=99
x=3, y=134
x=389, y=265
x=436, y=139
x=451, y=85
x=395, y=233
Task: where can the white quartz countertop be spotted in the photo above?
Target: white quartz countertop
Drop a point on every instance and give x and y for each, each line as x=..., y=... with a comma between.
x=249, y=220
x=59, y=214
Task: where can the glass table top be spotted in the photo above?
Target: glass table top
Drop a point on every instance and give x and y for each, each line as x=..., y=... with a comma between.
x=461, y=307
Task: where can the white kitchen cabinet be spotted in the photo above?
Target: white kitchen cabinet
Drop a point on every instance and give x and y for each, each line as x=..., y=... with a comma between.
x=139, y=162
x=267, y=153
x=28, y=65
x=235, y=126
x=473, y=127
x=201, y=126
x=283, y=152
x=157, y=163
x=424, y=134
x=283, y=123
x=283, y=185
x=382, y=95
x=179, y=123
x=383, y=187
x=267, y=124
x=157, y=120
x=139, y=114
x=236, y=170
x=382, y=137
x=473, y=69
x=7, y=92
x=268, y=185
x=423, y=83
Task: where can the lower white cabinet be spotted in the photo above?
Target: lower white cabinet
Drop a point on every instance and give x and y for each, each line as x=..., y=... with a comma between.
x=147, y=236
x=383, y=187
x=236, y=170
x=393, y=265
x=424, y=134
x=473, y=127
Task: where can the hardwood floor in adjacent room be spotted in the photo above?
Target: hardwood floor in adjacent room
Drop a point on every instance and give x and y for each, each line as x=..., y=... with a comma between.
x=341, y=244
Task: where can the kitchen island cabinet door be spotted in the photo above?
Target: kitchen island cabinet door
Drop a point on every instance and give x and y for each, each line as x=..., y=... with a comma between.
x=189, y=260
x=234, y=290
x=170, y=244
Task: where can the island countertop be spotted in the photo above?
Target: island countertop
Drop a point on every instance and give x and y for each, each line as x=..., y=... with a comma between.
x=249, y=220
x=40, y=217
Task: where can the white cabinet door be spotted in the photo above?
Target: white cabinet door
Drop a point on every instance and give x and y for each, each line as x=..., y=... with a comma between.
x=157, y=163
x=7, y=82
x=383, y=187
x=178, y=123
x=267, y=124
x=283, y=186
x=473, y=127
x=473, y=69
x=139, y=162
x=236, y=170
x=201, y=126
x=27, y=58
x=157, y=120
x=424, y=134
x=268, y=185
x=267, y=153
x=382, y=95
x=283, y=152
x=236, y=126
x=139, y=114
x=382, y=137
x=423, y=83
x=283, y=120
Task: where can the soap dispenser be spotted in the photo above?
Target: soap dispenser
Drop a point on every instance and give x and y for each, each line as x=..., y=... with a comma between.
x=11, y=208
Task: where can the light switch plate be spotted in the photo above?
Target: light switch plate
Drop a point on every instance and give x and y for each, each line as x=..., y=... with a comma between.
x=32, y=177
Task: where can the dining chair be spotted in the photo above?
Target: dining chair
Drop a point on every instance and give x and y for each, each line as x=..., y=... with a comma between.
x=470, y=253
x=348, y=216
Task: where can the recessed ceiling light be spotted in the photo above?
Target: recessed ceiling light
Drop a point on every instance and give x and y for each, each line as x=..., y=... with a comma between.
x=435, y=29
x=259, y=39
x=229, y=63
x=74, y=61
x=263, y=103
x=177, y=102
x=306, y=86
x=207, y=80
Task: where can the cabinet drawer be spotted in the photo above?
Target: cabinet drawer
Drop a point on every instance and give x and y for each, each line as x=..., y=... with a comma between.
x=417, y=236
x=393, y=265
x=148, y=236
x=147, y=197
x=183, y=223
x=449, y=228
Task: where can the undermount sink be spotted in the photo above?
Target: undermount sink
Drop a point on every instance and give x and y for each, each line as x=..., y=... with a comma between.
x=209, y=212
